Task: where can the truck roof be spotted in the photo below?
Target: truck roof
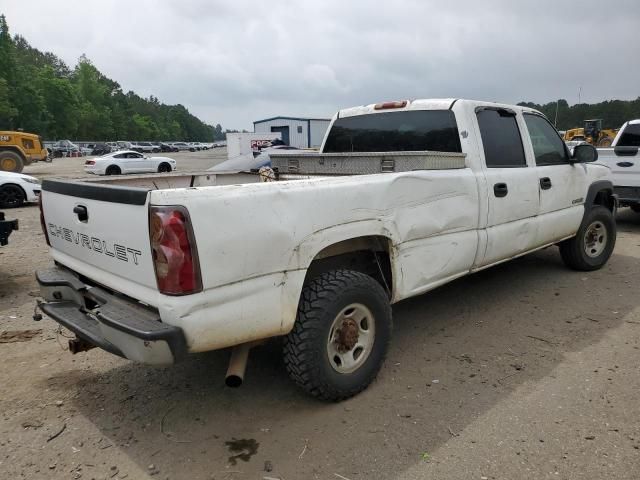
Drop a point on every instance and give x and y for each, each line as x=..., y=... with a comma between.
x=426, y=104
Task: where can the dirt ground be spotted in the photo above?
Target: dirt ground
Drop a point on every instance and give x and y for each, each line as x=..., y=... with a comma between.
x=525, y=370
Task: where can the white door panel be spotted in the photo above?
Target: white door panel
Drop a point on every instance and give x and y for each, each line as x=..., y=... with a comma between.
x=565, y=189
x=511, y=187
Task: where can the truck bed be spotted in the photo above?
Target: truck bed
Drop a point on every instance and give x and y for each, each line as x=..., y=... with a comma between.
x=296, y=166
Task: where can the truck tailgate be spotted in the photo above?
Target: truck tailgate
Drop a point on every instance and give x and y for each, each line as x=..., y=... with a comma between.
x=102, y=230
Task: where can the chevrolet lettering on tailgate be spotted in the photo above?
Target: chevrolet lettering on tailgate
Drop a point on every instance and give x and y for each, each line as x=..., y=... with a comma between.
x=110, y=249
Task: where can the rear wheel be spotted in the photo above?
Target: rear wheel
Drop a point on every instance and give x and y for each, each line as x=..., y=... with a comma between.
x=635, y=207
x=341, y=335
x=593, y=244
x=113, y=170
x=11, y=162
x=11, y=196
x=164, y=167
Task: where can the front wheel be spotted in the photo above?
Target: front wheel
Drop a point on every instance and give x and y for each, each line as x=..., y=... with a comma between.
x=164, y=168
x=593, y=244
x=341, y=335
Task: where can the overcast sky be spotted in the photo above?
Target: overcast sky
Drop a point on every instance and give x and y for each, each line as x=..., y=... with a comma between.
x=236, y=61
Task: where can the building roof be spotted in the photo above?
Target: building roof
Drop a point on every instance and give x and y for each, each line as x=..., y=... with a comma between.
x=292, y=118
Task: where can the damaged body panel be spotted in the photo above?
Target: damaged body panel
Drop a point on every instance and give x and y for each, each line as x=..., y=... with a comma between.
x=257, y=241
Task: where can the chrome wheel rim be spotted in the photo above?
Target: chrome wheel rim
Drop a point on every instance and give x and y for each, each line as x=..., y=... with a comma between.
x=595, y=239
x=351, y=338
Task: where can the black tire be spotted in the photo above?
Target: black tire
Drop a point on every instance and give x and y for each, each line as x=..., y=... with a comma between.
x=164, y=167
x=11, y=162
x=593, y=244
x=11, y=196
x=635, y=207
x=113, y=170
x=306, y=347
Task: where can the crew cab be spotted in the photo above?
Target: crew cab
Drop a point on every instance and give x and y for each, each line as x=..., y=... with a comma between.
x=402, y=198
x=624, y=160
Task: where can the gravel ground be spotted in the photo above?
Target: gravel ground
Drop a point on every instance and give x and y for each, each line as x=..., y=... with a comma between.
x=525, y=370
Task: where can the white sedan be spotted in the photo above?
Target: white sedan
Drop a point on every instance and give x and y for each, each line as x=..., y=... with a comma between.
x=16, y=188
x=128, y=161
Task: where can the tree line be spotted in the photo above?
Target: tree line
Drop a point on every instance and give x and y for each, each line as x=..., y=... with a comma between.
x=39, y=93
x=612, y=112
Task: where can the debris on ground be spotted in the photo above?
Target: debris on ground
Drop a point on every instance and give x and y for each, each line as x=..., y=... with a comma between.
x=15, y=336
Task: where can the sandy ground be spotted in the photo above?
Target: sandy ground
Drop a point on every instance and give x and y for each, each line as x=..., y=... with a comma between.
x=526, y=370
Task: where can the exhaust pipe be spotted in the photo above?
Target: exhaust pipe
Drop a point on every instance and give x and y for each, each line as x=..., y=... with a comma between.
x=238, y=364
x=77, y=345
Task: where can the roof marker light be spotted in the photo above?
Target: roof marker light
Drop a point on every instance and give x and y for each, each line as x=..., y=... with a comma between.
x=388, y=105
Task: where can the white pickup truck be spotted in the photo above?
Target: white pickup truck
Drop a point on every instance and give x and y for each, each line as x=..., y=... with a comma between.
x=403, y=197
x=623, y=159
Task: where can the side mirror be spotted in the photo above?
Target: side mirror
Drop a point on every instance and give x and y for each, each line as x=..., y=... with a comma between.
x=584, y=153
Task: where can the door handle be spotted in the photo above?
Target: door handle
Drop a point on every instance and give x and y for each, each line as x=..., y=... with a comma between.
x=81, y=212
x=500, y=190
x=625, y=164
x=545, y=183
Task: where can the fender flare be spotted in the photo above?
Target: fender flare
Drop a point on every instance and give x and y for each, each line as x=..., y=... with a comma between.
x=597, y=187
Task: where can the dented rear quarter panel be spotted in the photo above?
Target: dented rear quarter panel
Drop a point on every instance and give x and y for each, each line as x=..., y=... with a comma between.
x=255, y=242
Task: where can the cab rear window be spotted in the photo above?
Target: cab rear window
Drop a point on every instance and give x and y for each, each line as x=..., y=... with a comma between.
x=404, y=131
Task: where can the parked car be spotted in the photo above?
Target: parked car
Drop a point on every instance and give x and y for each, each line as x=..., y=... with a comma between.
x=17, y=188
x=63, y=148
x=404, y=197
x=167, y=147
x=128, y=161
x=101, y=149
x=624, y=160
x=122, y=145
x=144, y=147
x=181, y=146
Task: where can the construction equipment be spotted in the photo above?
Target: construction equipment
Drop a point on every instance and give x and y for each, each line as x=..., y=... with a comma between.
x=18, y=149
x=593, y=133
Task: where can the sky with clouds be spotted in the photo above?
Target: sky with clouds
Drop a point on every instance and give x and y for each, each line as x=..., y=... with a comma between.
x=236, y=61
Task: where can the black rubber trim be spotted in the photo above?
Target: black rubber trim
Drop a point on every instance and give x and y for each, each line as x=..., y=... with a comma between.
x=103, y=193
x=56, y=277
x=594, y=188
x=69, y=316
x=115, y=312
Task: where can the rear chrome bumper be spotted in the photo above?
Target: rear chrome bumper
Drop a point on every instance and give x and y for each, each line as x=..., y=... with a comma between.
x=116, y=324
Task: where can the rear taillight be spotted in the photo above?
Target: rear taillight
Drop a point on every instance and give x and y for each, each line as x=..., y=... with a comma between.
x=42, y=224
x=90, y=162
x=173, y=247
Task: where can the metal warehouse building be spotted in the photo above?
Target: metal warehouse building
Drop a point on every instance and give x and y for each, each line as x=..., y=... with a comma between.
x=297, y=132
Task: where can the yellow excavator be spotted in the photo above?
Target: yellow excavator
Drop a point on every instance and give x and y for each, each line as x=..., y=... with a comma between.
x=593, y=133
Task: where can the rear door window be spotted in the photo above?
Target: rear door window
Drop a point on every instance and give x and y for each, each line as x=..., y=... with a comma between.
x=403, y=131
x=548, y=147
x=501, y=138
x=631, y=136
